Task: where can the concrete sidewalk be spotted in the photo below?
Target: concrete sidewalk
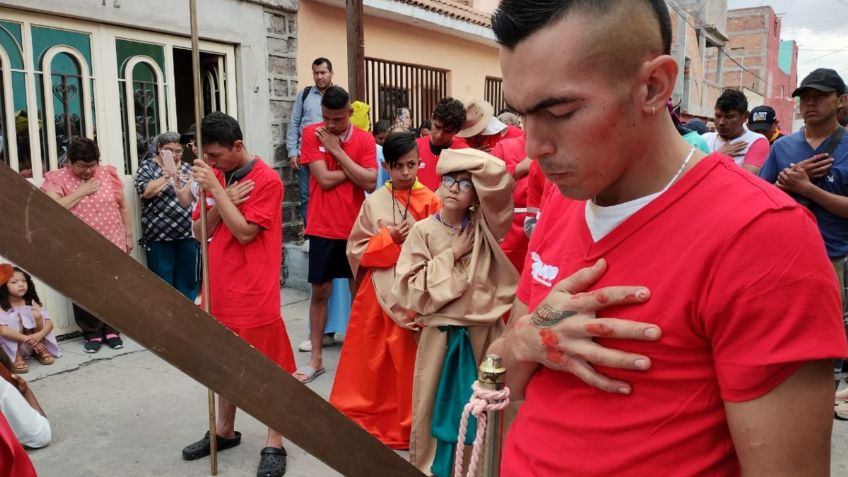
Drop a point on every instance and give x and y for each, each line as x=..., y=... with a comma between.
x=126, y=412
x=129, y=413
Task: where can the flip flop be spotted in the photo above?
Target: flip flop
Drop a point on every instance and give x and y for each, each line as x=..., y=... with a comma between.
x=310, y=373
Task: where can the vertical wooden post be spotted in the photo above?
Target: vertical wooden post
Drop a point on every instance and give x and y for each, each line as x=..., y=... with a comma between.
x=355, y=50
x=204, y=237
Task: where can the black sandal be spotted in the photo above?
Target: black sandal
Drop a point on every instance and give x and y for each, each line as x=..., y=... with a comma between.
x=272, y=462
x=199, y=449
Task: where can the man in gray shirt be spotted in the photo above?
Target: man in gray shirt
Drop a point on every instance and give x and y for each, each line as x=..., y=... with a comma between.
x=307, y=110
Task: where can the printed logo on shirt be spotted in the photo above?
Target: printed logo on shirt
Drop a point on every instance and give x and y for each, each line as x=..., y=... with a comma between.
x=542, y=272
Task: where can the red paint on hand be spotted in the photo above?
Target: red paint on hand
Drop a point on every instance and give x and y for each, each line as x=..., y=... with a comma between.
x=551, y=343
x=599, y=329
x=602, y=297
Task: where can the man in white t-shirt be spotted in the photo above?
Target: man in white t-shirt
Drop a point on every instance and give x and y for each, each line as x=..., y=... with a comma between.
x=748, y=149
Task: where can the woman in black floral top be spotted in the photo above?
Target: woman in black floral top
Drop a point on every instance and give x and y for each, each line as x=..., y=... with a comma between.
x=166, y=217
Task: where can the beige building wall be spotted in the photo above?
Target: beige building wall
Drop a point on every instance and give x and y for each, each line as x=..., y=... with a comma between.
x=322, y=33
x=488, y=6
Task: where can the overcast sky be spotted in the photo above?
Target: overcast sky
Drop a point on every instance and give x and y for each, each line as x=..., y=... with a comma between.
x=820, y=27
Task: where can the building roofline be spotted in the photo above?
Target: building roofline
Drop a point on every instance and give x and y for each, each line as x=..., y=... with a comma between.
x=452, y=9
x=429, y=17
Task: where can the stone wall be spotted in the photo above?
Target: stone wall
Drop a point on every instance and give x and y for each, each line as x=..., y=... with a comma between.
x=281, y=41
x=281, y=33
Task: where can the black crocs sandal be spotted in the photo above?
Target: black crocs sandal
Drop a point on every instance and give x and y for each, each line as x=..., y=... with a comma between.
x=199, y=449
x=272, y=462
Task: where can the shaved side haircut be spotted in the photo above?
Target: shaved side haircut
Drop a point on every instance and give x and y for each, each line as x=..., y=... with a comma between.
x=622, y=34
x=515, y=20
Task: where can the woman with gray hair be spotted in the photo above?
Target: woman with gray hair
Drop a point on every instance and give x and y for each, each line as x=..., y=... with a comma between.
x=164, y=184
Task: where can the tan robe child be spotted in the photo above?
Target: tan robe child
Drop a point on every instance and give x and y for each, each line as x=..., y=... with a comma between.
x=373, y=383
x=474, y=292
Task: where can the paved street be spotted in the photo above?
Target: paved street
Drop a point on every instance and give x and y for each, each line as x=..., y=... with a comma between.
x=129, y=413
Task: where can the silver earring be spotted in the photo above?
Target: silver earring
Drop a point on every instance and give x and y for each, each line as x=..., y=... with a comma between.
x=653, y=110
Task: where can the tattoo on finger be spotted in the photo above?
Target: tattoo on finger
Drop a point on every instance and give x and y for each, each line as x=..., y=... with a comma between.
x=545, y=316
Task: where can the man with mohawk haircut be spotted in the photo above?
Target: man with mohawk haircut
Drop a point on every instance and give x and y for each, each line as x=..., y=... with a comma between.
x=714, y=364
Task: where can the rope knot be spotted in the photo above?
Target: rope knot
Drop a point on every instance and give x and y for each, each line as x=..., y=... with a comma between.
x=482, y=400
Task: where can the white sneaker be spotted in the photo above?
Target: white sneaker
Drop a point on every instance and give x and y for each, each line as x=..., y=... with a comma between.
x=842, y=395
x=840, y=411
x=306, y=346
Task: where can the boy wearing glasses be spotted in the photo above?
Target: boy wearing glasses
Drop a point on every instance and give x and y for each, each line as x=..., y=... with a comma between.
x=373, y=383
x=457, y=284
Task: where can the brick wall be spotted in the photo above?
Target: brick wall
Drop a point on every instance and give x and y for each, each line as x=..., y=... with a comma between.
x=281, y=32
x=755, y=43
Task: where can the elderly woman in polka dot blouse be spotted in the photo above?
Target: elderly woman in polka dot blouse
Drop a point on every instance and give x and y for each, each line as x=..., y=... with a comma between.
x=95, y=194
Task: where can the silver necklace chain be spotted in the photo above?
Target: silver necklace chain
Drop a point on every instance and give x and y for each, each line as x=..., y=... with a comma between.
x=682, y=167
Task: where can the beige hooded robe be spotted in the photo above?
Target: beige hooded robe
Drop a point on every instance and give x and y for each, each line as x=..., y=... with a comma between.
x=475, y=291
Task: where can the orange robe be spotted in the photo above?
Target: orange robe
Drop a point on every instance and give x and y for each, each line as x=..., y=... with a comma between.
x=373, y=385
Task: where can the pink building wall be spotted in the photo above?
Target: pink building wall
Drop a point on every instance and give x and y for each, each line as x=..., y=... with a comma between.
x=755, y=43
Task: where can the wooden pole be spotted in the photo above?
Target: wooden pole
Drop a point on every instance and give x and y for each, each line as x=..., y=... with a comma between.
x=355, y=50
x=204, y=234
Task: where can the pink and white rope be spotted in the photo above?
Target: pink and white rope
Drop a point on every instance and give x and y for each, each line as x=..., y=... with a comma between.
x=482, y=400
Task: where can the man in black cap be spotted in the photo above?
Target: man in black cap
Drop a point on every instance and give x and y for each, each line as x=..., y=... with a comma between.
x=763, y=120
x=812, y=164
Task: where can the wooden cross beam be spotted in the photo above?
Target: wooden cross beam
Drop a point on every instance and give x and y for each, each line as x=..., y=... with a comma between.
x=51, y=243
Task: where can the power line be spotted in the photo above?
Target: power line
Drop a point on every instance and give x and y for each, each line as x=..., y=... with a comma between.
x=740, y=65
x=789, y=7
x=824, y=55
x=812, y=23
x=685, y=17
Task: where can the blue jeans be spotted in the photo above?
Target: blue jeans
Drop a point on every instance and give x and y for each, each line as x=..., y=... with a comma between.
x=175, y=262
x=303, y=187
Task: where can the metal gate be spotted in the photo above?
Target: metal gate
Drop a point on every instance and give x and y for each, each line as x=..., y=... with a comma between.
x=494, y=93
x=391, y=86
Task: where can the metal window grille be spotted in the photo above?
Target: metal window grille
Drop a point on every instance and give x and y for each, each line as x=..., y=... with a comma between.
x=390, y=86
x=494, y=93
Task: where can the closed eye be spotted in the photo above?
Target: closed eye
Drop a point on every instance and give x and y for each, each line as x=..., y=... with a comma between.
x=559, y=116
x=561, y=111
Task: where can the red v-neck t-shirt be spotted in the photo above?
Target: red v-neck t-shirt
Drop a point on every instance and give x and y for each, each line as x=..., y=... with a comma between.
x=733, y=282
x=244, y=280
x=333, y=212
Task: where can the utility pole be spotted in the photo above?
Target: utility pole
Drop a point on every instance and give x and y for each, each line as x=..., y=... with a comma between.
x=355, y=50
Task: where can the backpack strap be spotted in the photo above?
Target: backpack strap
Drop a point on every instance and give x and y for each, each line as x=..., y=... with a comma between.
x=835, y=139
x=306, y=92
